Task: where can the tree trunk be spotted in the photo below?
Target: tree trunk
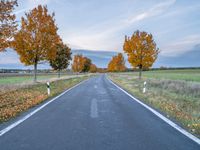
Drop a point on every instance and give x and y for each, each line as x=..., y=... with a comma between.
x=35, y=72
x=59, y=73
x=140, y=73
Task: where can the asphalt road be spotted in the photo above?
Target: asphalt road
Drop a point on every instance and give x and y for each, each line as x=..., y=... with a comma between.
x=95, y=115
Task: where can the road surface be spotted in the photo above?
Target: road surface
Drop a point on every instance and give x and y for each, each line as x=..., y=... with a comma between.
x=95, y=115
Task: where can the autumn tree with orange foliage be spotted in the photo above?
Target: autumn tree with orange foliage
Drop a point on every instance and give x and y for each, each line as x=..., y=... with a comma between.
x=141, y=50
x=8, y=24
x=81, y=64
x=93, y=68
x=78, y=63
x=117, y=64
x=37, y=39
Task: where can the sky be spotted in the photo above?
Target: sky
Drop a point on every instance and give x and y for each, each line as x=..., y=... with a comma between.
x=103, y=24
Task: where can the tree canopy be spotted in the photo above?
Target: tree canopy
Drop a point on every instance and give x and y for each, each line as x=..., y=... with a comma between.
x=141, y=50
x=63, y=56
x=93, y=68
x=8, y=24
x=117, y=64
x=37, y=39
x=81, y=63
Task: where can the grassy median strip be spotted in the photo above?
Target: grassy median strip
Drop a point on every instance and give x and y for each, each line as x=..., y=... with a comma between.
x=179, y=100
x=12, y=103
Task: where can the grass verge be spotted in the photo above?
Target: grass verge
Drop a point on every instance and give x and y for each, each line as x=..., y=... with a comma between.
x=191, y=75
x=18, y=79
x=178, y=100
x=14, y=102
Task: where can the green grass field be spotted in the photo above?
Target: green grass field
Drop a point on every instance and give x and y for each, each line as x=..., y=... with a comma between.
x=28, y=78
x=10, y=82
x=23, y=79
x=187, y=74
x=174, y=92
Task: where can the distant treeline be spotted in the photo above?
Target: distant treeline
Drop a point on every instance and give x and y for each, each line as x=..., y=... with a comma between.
x=103, y=70
x=174, y=68
x=164, y=68
x=29, y=71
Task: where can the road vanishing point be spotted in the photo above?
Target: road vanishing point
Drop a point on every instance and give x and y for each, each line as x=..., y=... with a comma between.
x=95, y=115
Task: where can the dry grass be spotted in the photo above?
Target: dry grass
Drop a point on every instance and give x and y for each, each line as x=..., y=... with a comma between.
x=16, y=101
x=191, y=75
x=179, y=100
x=11, y=85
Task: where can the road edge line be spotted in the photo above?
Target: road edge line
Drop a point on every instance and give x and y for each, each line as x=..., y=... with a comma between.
x=171, y=123
x=18, y=122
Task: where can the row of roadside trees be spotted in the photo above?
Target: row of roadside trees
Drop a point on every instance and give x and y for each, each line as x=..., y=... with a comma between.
x=117, y=64
x=36, y=40
x=141, y=50
x=83, y=64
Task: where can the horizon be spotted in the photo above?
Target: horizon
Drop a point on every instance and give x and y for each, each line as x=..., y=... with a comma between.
x=104, y=57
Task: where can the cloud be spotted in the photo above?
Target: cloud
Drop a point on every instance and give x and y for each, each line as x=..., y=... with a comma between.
x=21, y=11
x=10, y=56
x=180, y=46
x=30, y=4
x=154, y=11
x=100, y=36
x=182, y=10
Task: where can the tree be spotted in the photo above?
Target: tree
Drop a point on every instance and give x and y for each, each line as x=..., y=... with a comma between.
x=93, y=68
x=141, y=50
x=81, y=63
x=101, y=70
x=37, y=39
x=8, y=24
x=87, y=63
x=117, y=63
x=78, y=63
x=63, y=56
